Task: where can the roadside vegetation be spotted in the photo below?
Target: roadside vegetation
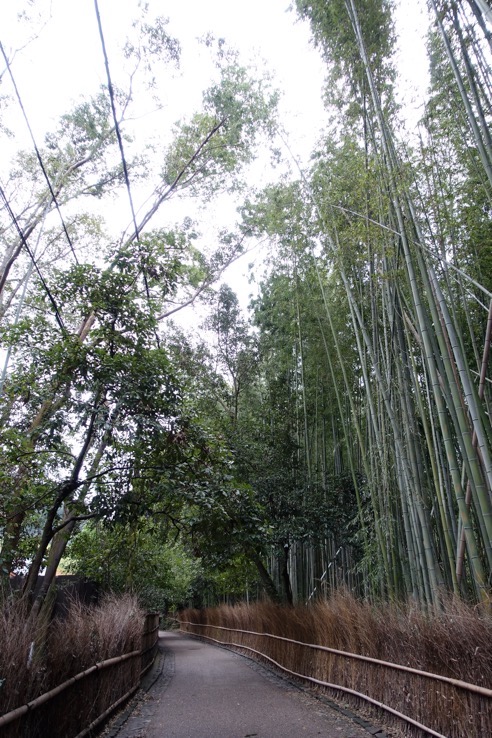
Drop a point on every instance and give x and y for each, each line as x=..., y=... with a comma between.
x=453, y=641
x=339, y=436
x=36, y=655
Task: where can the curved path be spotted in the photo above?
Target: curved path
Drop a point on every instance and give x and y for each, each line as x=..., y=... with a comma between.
x=204, y=691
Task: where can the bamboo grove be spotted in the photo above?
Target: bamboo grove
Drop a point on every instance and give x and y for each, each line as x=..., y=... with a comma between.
x=385, y=249
x=343, y=437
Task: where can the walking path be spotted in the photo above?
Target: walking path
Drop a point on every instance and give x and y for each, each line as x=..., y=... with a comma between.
x=203, y=691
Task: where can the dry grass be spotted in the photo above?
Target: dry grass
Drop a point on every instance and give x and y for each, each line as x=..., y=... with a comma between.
x=92, y=634
x=17, y=675
x=455, y=642
x=35, y=656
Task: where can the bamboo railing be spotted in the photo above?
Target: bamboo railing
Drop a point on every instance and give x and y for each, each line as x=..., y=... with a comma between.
x=75, y=707
x=452, y=707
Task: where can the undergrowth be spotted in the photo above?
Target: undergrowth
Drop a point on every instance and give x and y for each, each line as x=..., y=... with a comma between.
x=454, y=641
x=36, y=656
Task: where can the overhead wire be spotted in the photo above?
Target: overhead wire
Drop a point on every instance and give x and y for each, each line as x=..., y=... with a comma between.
x=121, y=148
x=38, y=154
x=31, y=256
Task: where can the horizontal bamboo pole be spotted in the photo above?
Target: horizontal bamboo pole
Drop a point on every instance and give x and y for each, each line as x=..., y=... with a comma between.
x=42, y=699
x=125, y=697
x=107, y=712
x=336, y=687
x=483, y=691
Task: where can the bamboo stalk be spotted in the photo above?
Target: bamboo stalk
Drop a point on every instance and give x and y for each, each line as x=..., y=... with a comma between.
x=481, y=391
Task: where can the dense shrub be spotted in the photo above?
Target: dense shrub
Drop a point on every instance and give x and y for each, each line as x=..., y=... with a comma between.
x=36, y=656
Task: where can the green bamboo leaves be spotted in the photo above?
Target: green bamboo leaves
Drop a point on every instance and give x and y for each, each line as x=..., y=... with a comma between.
x=413, y=416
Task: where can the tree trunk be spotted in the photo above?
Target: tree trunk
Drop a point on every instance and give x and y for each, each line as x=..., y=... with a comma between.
x=284, y=573
x=266, y=580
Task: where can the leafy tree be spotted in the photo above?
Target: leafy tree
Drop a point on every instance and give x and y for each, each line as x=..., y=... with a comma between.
x=136, y=558
x=93, y=413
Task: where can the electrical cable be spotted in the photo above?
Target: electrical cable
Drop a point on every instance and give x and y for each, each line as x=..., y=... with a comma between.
x=121, y=148
x=31, y=255
x=38, y=155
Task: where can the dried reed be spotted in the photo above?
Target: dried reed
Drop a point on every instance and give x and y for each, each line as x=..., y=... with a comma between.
x=454, y=641
x=36, y=656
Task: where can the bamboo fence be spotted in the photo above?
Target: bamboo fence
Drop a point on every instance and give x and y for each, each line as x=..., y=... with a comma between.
x=426, y=703
x=75, y=707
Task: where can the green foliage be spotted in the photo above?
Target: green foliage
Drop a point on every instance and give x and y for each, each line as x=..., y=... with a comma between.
x=333, y=33
x=217, y=142
x=231, y=582
x=134, y=558
x=95, y=422
x=153, y=46
x=339, y=419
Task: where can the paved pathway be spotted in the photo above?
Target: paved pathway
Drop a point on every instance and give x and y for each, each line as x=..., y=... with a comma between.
x=204, y=691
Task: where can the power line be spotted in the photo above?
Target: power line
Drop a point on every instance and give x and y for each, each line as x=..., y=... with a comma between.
x=31, y=255
x=40, y=160
x=120, y=145
x=115, y=118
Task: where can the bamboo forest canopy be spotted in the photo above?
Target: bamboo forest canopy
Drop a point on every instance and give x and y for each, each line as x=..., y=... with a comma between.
x=341, y=434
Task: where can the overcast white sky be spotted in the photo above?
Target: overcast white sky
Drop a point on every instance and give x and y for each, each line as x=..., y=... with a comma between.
x=65, y=62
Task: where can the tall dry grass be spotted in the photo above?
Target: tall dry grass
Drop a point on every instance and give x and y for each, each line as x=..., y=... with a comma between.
x=455, y=642
x=18, y=672
x=36, y=656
